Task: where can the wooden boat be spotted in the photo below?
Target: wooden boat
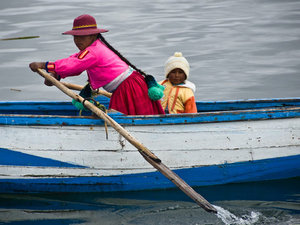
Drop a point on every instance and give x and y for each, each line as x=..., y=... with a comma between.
x=48, y=147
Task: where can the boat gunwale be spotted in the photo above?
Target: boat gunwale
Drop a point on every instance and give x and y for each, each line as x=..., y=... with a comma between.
x=169, y=119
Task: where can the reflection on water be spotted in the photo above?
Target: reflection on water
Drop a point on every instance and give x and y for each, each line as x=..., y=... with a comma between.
x=237, y=49
x=273, y=202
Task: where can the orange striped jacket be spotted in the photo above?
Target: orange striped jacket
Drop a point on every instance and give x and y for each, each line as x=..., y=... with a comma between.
x=178, y=98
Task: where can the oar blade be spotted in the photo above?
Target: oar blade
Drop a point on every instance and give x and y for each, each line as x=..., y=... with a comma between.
x=19, y=38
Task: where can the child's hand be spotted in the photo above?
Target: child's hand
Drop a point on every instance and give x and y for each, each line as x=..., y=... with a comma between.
x=34, y=66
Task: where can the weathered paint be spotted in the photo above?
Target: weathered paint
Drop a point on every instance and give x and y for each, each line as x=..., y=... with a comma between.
x=69, y=151
x=202, y=117
x=66, y=108
x=199, y=176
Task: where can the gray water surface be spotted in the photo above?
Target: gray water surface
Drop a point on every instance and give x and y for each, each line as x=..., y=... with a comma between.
x=271, y=203
x=237, y=49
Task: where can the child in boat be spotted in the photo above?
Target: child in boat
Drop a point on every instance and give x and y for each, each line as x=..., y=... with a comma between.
x=105, y=67
x=179, y=92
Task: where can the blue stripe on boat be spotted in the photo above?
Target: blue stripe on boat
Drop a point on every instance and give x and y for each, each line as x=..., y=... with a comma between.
x=64, y=113
x=268, y=169
x=14, y=158
x=221, y=116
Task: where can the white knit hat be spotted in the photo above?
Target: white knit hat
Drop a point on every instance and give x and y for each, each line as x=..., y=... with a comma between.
x=177, y=61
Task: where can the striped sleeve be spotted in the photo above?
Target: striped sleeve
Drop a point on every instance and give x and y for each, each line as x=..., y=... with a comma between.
x=190, y=105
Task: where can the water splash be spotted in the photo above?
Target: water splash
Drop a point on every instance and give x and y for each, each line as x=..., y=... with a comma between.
x=230, y=219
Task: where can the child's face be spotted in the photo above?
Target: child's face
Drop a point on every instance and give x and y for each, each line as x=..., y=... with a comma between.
x=82, y=42
x=176, y=76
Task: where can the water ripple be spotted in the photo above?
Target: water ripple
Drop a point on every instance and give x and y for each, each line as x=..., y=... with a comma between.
x=234, y=47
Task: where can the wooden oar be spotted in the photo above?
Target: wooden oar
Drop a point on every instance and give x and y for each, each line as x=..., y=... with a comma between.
x=145, y=152
x=79, y=88
x=18, y=38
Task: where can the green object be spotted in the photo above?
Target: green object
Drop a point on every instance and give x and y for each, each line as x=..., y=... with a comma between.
x=79, y=105
x=155, y=93
x=161, y=87
x=86, y=93
x=155, y=90
x=100, y=106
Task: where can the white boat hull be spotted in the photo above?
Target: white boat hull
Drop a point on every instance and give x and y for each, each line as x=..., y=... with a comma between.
x=51, y=157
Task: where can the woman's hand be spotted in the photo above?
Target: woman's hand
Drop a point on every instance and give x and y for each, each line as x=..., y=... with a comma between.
x=34, y=66
x=49, y=83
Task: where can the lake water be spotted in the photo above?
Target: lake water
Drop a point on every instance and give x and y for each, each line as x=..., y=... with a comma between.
x=272, y=203
x=237, y=50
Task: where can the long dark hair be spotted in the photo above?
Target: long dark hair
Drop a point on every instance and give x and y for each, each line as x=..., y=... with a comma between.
x=120, y=55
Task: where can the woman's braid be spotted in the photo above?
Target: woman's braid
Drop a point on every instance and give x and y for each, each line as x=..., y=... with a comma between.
x=120, y=55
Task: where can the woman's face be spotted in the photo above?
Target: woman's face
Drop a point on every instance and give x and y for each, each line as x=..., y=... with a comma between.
x=177, y=76
x=82, y=42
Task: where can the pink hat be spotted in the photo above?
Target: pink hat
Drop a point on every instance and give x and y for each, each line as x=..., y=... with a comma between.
x=84, y=25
